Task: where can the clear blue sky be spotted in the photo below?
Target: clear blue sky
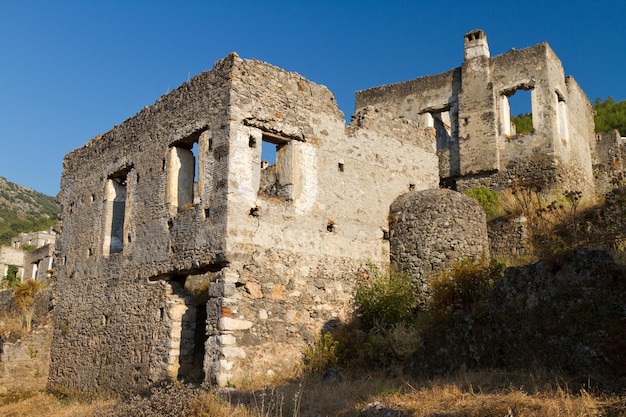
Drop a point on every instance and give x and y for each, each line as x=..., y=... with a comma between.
x=70, y=70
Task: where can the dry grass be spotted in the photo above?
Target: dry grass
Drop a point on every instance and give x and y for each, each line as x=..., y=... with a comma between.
x=10, y=322
x=475, y=394
x=34, y=403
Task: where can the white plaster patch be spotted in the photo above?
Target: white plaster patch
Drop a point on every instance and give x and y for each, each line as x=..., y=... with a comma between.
x=305, y=200
x=228, y=323
x=227, y=339
x=231, y=352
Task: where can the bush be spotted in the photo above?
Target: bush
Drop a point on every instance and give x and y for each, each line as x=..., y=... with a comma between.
x=488, y=199
x=385, y=299
x=11, y=280
x=24, y=300
x=467, y=284
x=322, y=354
x=523, y=123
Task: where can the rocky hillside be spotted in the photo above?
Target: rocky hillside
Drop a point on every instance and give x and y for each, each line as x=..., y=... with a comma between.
x=23, y=210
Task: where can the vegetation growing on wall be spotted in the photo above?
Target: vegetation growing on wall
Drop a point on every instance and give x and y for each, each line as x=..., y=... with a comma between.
x=488, y=199
x=24, y=301
x=10, y=280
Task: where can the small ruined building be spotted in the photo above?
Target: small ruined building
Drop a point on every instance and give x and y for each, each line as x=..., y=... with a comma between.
x=214, y=234
x=34, y=262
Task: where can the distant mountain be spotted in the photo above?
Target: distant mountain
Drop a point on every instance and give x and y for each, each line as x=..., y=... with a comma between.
x=24, y=210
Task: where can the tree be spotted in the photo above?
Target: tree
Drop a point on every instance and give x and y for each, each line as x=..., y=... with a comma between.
x=610, y=115
x=11, y=279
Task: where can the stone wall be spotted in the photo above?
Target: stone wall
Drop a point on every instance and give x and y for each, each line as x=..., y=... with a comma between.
x=113, y=324
x=11, y=256
x=429, y=230
x=24, y=363
x=37, y=239
x=608, y=161
x=564, y=314
x=25, y=357
x=38, y=263
x=509, y=237
x=292, y=260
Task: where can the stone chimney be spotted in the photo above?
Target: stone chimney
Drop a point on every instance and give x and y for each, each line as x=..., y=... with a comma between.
x=476, y=44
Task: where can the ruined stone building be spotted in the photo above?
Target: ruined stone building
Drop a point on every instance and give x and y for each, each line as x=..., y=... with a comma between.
x=477, y=143
x=32, y=254
x=178, y=193
x=184, y=254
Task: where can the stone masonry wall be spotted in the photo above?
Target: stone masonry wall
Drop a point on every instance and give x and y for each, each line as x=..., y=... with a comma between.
x=24, y=363
x=274, y=268
x=113, y=325
x=292, y=261
x=608, y=161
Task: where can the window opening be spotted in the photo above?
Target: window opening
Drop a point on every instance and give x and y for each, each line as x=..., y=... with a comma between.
x=115, y=201
x=268, y=151
x=276, y=168
x=516, y=113
x=183, y=171
x=442, y=122
x=561, y=112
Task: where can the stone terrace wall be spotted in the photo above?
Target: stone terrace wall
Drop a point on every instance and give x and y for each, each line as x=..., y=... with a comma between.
x=509, y=237
x=24, y=363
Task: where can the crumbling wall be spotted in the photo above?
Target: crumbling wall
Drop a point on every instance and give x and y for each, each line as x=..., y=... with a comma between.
x=429, y=230
x=509, y=236
x=38, y=263
x=424, y=100
x=11, y=256
x=24, y=363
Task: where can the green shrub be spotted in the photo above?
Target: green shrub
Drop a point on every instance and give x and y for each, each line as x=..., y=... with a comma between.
x=322, y=354
x=384, y=299
x=387, y=346
x=467, y=284
x=488, y=199
x=11, y=280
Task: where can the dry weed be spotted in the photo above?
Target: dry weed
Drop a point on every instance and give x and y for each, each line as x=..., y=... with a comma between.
x=27, y=404
x=469, y=394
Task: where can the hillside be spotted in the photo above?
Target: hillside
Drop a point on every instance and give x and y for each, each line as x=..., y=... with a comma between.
x=23, y=210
